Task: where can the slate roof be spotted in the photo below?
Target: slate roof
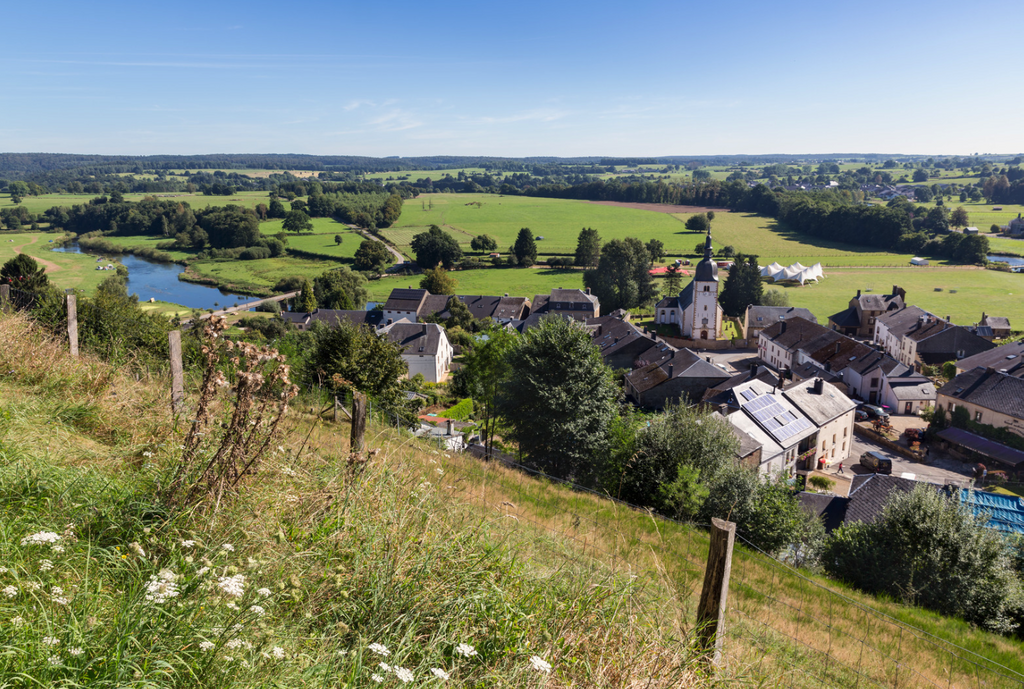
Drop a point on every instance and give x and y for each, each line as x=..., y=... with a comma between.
x=1008, y=356
x=683, y=300
x=810, y=369
x=499, y=308
x=880, y=302
x=406, y=300
x=845, y=353
x=685, y=364
x=777, y=433
x=707, y=269
x=908, y=384
x=830, y=508
x=722, y=393
x=764, y=316
x=901, y=321
x=990, y=389
x=612, y=335
x=996, y=322
x=565, y=299
x=416, y=338
x=433, y=303
x=797, y=332
x=829, y=405
x=848, y=318
x=869, y=494
x=748, y=443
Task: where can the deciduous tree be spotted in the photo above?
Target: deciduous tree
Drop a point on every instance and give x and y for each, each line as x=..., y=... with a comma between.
x=436, y=246
x=698, y=223
x=743, y=286
x=437, y=280
x=484, y=243
x=297, y=221
x=622, y=279
x=372, y=256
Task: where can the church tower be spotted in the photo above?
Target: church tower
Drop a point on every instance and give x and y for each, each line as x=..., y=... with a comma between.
x=706, y=323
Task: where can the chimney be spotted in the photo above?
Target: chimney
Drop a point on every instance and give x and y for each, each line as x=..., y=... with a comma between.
x=948, y=319
x=588, y=290
x=782, y=327
x=506, y=294
x=671, y=369
x=723, y=409
x=838, y=345
x=390, y=321
x=819, y=386
x=982, y=316
x=708, y=358
x=450, y=426
x=616, y=339
x=858, y=294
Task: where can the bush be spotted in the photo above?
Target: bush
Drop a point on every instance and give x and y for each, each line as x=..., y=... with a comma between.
x=254, y=253
x=461, y=411
x=822, y=483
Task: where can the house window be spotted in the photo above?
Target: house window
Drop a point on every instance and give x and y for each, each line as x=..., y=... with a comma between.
x=833, y=438
x=705, y=307
x=977, y=416
x=844, y=432
x=844, y=446
x=951, y=407
x=874, y=382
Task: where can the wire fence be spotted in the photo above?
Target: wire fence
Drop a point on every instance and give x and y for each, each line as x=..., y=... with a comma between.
x=782, y=622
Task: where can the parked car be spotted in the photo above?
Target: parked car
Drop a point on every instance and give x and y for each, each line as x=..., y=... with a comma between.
x=875, y=462
x=875, y=412
x=860, y=415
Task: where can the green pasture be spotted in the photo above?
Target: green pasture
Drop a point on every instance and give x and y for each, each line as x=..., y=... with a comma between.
x=260, y=274
x=38, y=204
x=518, y=282
x=434, y=175
x=962, y=293
x=981, y=215
x=148, y=242
x=67, y=271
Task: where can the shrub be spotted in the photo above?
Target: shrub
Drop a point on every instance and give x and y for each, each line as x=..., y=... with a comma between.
x=254, y=253
x=461, y=411
x=822, y=483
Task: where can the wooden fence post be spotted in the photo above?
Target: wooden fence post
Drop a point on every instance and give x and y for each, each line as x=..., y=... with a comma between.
x=358, y=422
x=5, y=298
x=177, y=375
x=712, y=606
x=72, y=302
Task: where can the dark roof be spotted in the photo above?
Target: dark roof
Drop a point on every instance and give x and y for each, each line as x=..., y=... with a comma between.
x=416, y=338
x=848, y=318
x=900, y=321
x=983, y=446
x=684, y=299
x=990, y=389
x=810, y=369
x=869, y=493
x=612, y=335
x=880, y=302
x=996, y=322
x=908, y=384
x=433, y=303
x=763, y=316
x=722, y=393
x=797, y=332
x=830, y=508
x=707, y=269
x=406, y=300
x=685, y=364
x=1009, y=357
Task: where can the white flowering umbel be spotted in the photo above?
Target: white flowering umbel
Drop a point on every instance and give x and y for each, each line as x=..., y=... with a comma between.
x=232, y=586
x=41, y=538
x=162, y=587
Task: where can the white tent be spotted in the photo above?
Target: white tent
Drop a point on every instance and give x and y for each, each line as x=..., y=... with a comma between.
x=770, y=270
x=793, y=273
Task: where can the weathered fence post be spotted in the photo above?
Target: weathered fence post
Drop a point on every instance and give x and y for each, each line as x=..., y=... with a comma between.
x=5, y=298
x=177, y=375
x=72, y=302
x=712, y=606
x=358, y=422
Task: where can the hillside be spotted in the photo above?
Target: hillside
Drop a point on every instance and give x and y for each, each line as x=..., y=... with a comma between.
x=295, y=579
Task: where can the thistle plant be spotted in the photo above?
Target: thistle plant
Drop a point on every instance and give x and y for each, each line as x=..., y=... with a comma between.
x=215, y=457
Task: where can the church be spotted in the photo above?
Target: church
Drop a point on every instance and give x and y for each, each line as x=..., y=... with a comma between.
x=696, y=311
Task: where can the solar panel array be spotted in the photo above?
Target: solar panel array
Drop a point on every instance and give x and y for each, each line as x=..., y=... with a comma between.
x=773, y=417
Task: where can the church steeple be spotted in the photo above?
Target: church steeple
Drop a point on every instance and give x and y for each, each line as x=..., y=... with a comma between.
x=707, y=269
x=708, y=251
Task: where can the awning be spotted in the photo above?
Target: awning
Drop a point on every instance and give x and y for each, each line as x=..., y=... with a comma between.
x=983, y=446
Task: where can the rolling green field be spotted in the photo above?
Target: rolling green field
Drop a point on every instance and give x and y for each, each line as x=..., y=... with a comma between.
x=38, y=204
x=559, y=221
x=965, y=292
x=518, y=282
x=67, y=271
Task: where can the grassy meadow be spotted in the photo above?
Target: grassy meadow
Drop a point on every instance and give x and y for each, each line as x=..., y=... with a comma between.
x=314, y=573
x=517, y=282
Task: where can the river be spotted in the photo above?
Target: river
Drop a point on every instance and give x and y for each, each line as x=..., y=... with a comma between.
x=1012, y=260
x=150, y=280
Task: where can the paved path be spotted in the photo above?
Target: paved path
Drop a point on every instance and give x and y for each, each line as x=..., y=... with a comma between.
x=399, y=258
x=939, y=469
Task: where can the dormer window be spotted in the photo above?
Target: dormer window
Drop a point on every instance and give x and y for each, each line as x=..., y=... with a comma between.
x=706, y=288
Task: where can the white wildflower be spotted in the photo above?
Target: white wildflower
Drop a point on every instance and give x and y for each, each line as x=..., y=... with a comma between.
x=233, y=606
x=385, y=667
x=257, y=610
x=57, y=595
x=263, y=593
x=3, y=570
x=147, y=453
x=440, y=471
x=439, y=673
x=465, y=650
x=40, y=538
x=137, y=549
x=188, y=544
x=18, y=621
x=206, y=645
x=233, y=586
x=379, y=649
x=343, y=653
x=228, y=548
x=53, y=660
x=202, y=571
x=162, y=587
x=539, y=664
x=57, y=548
x=238, y=643
x=237, y=628
x=288, y=471
x=75, y=651
x=228, y=659
x=10, y=591
x=45, y=566
x=377, y=678
x=50, y=641
x=405, y=675
x=33, y=585
x=278, y=652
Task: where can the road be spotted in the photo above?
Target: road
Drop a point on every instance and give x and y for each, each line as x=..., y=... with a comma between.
x=399, y=258
x=940, y=468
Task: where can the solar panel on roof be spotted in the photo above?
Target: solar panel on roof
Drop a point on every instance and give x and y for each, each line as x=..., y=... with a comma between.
x=748, y=395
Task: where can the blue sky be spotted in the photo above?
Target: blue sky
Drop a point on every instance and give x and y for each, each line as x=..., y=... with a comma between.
x=527, y=78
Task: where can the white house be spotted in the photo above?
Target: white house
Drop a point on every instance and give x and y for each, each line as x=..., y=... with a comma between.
x=425, y=348
x=695, y=311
